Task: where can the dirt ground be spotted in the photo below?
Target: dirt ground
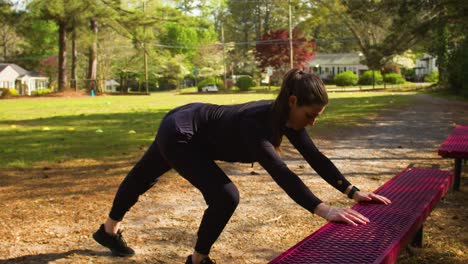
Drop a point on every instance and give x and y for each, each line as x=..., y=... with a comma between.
x=48, y=213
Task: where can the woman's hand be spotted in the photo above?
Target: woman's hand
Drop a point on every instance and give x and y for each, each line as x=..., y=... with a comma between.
x=335, y=214
x=346, y=215
x=368, y=197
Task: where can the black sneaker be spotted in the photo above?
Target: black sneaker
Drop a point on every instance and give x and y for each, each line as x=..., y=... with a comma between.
x=205, y=261
x=116, y=243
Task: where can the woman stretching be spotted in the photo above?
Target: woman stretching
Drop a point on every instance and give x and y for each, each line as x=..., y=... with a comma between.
x=191, y=137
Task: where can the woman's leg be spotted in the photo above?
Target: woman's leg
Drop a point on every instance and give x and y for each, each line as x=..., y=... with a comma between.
x=143, y=175
x=220, y=194
x=141, y=178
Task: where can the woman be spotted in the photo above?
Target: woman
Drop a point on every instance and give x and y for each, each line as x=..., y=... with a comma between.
x=192, y=136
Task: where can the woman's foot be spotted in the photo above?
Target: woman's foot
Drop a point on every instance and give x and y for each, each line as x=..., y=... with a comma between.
x=115, y=243
x=205, y=260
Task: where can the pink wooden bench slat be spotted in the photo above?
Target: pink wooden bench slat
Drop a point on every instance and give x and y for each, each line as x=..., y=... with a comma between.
x=414, y=193
x=456, y=144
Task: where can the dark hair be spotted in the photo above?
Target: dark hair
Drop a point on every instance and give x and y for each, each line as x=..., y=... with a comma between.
x=309, y=90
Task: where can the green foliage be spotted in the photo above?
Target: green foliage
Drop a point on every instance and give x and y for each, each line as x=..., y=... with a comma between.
x=167, y=83
x=457, y=72
x=385, y=28
x=409, y=73
x=346, y=78
x=394, y=78
x=40, y=41
x=244, y=83
x=6, y=92
x=432, y=77
x=172, y=72
x=368, y=77
x=211, y=81
x=42, y=92
x=182, y=39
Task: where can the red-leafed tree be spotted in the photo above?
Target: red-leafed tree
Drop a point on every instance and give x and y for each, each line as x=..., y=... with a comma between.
x=49, y=67
x=274, y=50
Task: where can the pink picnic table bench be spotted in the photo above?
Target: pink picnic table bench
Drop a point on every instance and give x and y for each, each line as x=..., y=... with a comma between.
x=456, y=147
x=414, y=193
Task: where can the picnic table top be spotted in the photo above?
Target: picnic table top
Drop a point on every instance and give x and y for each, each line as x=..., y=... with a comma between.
x=413, y=192
x=456, y=144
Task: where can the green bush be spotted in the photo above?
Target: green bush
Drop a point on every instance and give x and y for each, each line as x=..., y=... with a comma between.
x=210, y=81
x=244, y=83
x=8, y=92
x=432, y=77
x=42, y=92
x=346, y=78
x=394, y=78
x=367, y=77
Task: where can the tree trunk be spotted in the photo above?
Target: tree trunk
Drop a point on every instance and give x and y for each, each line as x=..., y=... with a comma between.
x=5, y=52
x=442, y=54
x=62, y=60
x=266, y=20
x=74, y=61
x=93, y=57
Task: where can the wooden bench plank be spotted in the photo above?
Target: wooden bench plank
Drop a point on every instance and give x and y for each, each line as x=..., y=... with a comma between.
x=414, y=193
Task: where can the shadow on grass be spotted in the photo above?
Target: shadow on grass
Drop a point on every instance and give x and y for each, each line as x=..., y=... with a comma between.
x=95, y=136
x=111, y=137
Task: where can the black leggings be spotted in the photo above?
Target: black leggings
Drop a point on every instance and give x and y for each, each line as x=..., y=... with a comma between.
x=171, y=149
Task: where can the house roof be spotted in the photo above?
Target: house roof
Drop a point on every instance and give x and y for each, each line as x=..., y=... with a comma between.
x=3, y=66
x=112, y=83
x=336, y=59
x=21, y=71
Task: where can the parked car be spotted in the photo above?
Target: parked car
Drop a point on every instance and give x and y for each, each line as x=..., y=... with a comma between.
x=209, y=88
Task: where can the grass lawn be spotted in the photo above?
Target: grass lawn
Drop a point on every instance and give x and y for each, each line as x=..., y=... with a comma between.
x=113, y=127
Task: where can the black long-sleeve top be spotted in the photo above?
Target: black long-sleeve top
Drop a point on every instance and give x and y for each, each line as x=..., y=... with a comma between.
x=243, y=133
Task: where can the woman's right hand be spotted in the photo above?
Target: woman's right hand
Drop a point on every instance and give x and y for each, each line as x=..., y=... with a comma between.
x=336, y=214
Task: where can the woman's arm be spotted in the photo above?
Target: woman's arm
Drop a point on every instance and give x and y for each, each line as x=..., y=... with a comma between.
x=284, y=177
x=319, y=162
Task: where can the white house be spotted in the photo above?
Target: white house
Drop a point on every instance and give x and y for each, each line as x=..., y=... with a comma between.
x=425, y=65
x=111, y=86
x=329, y=65
x=26, y=82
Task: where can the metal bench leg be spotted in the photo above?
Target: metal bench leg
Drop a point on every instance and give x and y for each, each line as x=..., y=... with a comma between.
x=458, y=166
x=418, y=238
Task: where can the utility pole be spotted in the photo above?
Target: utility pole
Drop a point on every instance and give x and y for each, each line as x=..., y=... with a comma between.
x=145, y=53
x=224, y=55
x=291, y=54
x=224, y=51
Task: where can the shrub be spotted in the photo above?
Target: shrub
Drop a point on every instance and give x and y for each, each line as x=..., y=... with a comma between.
x=367, y=77
x=346, y=78
x=210, y=81
x=408, y=73
x=42, y=92
x=8, y=92
x=244, y=83
x=394, y=78
x=165, y=83
x=432, y=77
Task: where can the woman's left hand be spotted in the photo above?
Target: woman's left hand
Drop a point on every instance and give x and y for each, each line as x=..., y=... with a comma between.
x=368, y=196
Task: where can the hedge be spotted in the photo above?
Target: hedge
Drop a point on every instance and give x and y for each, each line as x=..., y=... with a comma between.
x=367, y=78
x=346, y=78
x=244, y=83
x=394, y=78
